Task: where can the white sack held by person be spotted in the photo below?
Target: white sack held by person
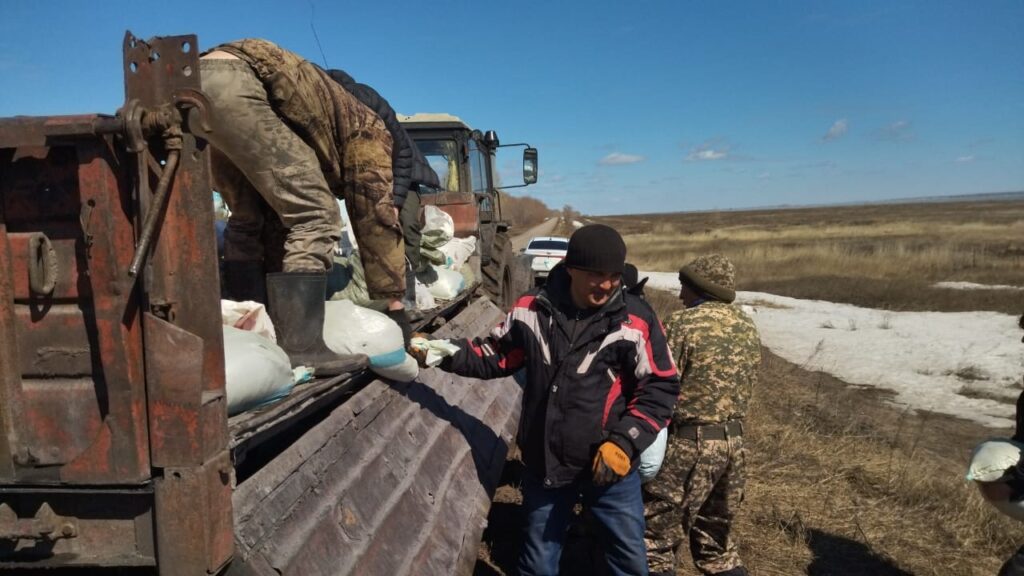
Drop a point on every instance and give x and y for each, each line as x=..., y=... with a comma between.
x=990, y=463
x=652, y=458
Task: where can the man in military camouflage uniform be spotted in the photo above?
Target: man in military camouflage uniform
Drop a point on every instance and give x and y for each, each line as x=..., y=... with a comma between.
x=287, y=140
x=700, y=486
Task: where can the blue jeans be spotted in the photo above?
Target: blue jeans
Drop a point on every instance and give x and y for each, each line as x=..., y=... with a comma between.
x=617, y=507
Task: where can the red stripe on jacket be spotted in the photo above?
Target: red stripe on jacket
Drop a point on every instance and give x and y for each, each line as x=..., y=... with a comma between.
x=639, y=324
x=613, y=394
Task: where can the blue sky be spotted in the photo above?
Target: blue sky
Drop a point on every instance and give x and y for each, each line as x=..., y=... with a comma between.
x=635, y=106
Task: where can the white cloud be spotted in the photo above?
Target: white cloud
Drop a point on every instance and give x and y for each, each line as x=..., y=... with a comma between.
x=618, y=159
x=764, y=175
x=898, y=131
x=965, y=159
x=836, y=131
x=707, y=151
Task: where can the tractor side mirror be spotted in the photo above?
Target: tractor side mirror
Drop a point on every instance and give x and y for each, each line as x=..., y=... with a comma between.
x=530, y=165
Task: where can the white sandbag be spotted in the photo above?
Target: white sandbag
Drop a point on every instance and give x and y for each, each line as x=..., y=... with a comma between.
x=448, y=284
x=351, y=329
x=438, y=227
x=249, y=316
x=457, y=251
x=257, y=371
x=989, y=462
x=653, y=456
x=424, y=299
x=991, y=459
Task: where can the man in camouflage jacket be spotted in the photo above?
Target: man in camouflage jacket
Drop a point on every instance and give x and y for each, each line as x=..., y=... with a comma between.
x=700, y=486
x=286, y=140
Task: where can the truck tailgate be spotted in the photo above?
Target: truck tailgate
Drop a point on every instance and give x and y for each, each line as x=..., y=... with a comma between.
x=397, y=480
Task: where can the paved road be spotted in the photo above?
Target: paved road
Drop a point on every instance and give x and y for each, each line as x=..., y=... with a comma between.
x=519, y=241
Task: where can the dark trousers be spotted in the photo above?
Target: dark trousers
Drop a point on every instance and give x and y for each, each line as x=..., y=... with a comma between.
x=618, y=509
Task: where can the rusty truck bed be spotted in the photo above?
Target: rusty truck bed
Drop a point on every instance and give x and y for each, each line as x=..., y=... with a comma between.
x=116, y=448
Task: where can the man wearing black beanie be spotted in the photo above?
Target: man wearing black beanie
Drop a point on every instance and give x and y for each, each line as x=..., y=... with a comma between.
x=600, y=385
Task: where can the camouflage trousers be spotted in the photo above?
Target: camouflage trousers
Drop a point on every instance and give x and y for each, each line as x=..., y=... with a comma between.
x=695, y=497
x=282, y=210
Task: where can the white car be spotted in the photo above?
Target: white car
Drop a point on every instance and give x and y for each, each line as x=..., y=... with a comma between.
x=546, y=252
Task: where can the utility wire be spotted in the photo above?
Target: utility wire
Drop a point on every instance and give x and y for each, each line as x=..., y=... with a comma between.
x=312, y=26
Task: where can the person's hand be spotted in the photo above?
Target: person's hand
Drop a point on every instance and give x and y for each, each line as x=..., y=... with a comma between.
x=610, y=464
x=418, y=352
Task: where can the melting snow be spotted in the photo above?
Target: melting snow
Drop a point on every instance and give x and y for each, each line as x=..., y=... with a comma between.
x=973, y=286
x=929, y=359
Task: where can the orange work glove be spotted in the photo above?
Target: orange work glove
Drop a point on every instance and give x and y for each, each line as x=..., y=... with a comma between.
x=610, y=464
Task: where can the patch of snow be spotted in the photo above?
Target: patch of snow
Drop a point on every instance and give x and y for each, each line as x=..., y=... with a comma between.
x=577, y=224
x=973, y=286
x=926, y=358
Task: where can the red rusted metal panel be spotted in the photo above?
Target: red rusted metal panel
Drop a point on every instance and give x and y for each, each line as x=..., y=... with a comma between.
x=184, y=338
x=10, y=373
x=463, y=207
x=73, y=196
x=74, y=373
x=68, y=416
x=193, y=511
x=174, y=372
x=54, y=342
x=122, y=450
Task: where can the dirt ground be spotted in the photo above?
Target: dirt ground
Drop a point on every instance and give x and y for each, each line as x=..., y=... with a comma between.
x=840, y=482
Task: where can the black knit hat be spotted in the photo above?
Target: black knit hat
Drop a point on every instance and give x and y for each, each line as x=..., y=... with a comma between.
x=631, y=280
x=597, y=248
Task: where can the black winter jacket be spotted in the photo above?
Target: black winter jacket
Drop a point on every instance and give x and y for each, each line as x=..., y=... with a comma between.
x=615, y=381
x=410, y=169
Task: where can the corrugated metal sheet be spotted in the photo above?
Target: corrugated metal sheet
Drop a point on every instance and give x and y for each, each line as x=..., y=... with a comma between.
x=397, y=480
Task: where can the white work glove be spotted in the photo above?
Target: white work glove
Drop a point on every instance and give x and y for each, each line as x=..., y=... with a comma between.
x=429, y=353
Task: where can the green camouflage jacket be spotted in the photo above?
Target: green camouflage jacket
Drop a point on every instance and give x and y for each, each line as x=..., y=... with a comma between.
x=350, y=140
x=718, y=353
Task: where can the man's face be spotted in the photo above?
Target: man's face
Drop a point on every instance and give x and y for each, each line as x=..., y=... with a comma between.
x=592, y=289
x=687, y=294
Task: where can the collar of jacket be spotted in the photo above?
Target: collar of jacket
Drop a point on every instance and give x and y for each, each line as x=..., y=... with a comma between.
x=555, y=295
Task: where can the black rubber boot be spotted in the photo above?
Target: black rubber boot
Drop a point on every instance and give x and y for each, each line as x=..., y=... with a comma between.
x=411, y=311
x=296, y=302
x=245, y=280
x=402, y=319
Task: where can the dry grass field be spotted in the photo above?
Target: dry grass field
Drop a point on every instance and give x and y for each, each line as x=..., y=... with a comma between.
x=881, y=255
x=840, y=482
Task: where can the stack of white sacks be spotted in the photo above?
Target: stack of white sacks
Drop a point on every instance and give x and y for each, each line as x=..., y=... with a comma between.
x=258, y=371
x=447, y=255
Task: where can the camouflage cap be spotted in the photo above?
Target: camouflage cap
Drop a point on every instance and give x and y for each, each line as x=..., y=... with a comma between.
x=712, y=274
